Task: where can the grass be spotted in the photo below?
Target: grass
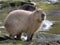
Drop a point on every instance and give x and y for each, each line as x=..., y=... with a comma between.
x=12, y=42
x=3, y=14
x=49, y=7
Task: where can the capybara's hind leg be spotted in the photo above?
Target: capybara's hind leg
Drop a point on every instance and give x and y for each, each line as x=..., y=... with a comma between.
x=11, y=37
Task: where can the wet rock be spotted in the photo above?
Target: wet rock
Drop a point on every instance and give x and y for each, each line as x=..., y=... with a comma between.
x=2, y=27
x=54, y=43
x=58, y=42
x=45, y=44
x=46, y=39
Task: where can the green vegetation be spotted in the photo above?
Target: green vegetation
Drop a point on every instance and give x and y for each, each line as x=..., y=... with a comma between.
x=49, y=7
x=13, y=42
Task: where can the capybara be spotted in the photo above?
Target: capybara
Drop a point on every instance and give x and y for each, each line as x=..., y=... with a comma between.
x=22, y=21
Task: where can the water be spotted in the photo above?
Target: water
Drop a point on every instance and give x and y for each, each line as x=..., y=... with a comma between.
x=46, y=25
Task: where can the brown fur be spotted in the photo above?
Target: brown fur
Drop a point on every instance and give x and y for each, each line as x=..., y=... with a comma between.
x=21, y=21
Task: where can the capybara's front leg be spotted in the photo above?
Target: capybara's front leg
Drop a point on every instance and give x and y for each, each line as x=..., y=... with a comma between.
x=29, y=37
x=19, y=36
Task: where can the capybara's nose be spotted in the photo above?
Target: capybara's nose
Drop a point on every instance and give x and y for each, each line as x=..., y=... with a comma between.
x=42, y=16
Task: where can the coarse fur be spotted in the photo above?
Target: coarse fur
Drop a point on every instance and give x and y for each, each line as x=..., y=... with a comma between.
x=22, y=21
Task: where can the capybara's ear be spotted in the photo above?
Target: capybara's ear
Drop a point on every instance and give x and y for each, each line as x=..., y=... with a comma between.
x=39, y=10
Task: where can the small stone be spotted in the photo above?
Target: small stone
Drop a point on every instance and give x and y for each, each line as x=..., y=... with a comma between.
x=58, y=42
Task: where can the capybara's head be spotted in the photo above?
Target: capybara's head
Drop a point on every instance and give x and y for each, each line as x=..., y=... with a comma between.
x=39, y=14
